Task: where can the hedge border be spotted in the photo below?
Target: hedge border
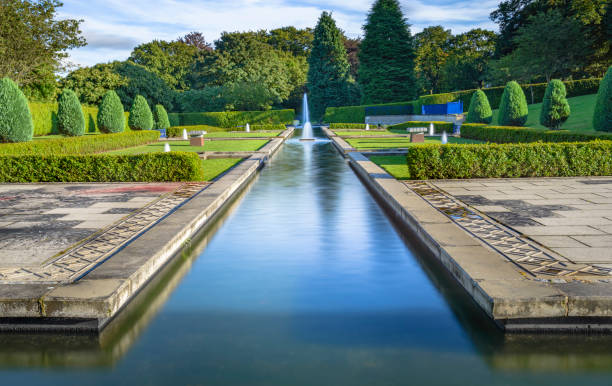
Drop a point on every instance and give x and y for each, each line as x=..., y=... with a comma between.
x=229, y=119
x=512, y=134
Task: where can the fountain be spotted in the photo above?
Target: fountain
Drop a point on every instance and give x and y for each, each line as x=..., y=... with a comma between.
x=185, y=137
x=444, y=138
x=247, y=128
x=431, y=129
x=166, y=148
x=307, y=129
x=367, y=126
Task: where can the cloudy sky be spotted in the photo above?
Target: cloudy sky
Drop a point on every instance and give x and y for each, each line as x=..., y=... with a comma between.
x=113, y=27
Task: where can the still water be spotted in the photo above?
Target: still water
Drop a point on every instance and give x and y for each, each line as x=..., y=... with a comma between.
x=304, y=281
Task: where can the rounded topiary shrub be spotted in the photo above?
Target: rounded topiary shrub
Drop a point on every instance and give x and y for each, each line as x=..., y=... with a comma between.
x=555, y=108
x=110, y=114
x=480, y=110
x=15, y=118
x=513, y=106
x=161, y=118
x=602, y=118
x=141, y=117
x=70, y=118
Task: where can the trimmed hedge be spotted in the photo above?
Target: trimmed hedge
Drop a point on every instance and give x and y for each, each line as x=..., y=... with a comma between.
x=161, y=118
x=555, y=108
x=513, y=134
x=402, y=109
x=80, y=145
x=173, y=166
x=513, y=109
x=44, y=116
x=268, y=127
x=602, y=117
x=357, y=114
x=480, y=110
x=110, y=114
x=141, y=117
x=350, y=126
x=70, y=117
x=178, y=131
x=510, y=160
x=439, y=126
x=231, y=119
x=15, y=119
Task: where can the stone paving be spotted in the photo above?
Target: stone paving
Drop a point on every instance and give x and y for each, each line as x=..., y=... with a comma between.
x=569, y=219
x=55, y=233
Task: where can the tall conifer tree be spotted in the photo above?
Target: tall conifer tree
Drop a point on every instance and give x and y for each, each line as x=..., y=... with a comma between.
x=386, y=69
x=329, y=80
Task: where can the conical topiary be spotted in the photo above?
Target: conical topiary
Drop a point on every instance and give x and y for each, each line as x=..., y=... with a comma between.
x=513, y=109
x=141, y=117
x=70, y=118
x=555, y=108
x=15, y=118
x=161, y=118
x=480, y=109
x=602, y=118
x=110, y=114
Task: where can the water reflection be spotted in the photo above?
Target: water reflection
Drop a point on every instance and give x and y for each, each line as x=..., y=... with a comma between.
x=306, y=282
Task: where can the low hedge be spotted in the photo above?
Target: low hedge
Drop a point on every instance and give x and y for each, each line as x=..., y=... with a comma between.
x=513, y=134
x=510, y=160
x=357, y=114
x=231, y=119
x=80, y=145
x=350, y=126
x=44, y=116
x=439, y=126
x=173, y=166
x=177, y=131
x=267, y=127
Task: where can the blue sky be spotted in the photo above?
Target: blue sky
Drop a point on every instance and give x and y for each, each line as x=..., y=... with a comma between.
x=113, y=27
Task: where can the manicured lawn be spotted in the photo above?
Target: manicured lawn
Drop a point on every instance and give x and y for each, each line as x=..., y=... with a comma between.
x=581, y=117
x=395, y=165
x=246, y=145
x=243, y=134
x=214, y=167
x=391, y=143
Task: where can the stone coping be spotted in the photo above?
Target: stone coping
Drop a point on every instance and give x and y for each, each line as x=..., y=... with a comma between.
x=92, y=301
x=514, y=299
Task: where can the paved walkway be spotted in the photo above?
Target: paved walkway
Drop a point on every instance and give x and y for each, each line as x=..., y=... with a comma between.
x=570, y=217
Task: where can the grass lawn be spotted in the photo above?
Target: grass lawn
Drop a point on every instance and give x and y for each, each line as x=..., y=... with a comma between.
x=247, y=145
x=581, y=117
x=214, y=167
x=391, y=143
x=242, y=134
x=394, y=164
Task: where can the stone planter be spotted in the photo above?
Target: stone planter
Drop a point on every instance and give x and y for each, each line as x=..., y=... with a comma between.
x=196, y=141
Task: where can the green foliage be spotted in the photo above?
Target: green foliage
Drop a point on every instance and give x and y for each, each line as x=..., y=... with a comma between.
x=80, y=145
x=329, y=80
x=480, y=110
x=141, y=81
x=513, y=106
x=356, y=114
x=510, y=160
x=177, y=131
x=110, y=114
x=230, y=119
x=432, y=47
x=44, y=116
x=602, y=118
x=141, y=117
x=208, y=99
x=91, y=83
x=435, y=99
x=173, y=166
x=70, y=118
x=268, y=127
x=350, y=126
x=34, y=42
x=387, y=68
x=555, y=107
x=161, y=118
x=439, y=126
x=513, y=134
x=15, y=119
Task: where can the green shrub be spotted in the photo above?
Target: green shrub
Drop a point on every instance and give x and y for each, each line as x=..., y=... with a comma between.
x=70, y=118
x=15, y=119
x=110, y=114
x=435, y=99
x=80, y=145
x=602, y=118
x=513, y=134
x=161, y=118
x=231, y=119
x=357, y=114
x=173, y=166
x=480, y=110
x=141, y=117
x=439, y=126
x=178, y=130
x=267, y=127
x=350, y=126
x=510, y=160
x=555, y=108
x=513, y=109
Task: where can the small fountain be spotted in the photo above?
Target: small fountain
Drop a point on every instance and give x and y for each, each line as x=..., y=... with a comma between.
x=247, y=128
x=444, y=138
x=185, y=137
x=307, y=129
x=367, y=126
x=431, y=129
x=167, y=148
